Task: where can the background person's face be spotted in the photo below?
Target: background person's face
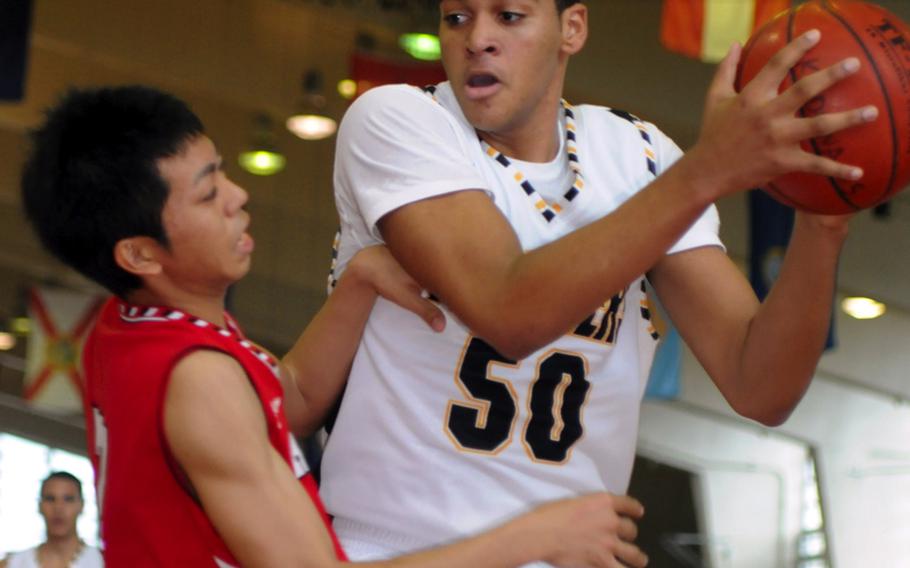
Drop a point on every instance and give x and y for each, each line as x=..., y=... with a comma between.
x=60, y=506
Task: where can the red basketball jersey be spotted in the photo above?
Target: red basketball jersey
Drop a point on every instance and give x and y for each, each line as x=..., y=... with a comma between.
x=149, y=513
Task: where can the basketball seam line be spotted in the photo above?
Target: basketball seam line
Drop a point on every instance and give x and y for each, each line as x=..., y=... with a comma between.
x=894, y=142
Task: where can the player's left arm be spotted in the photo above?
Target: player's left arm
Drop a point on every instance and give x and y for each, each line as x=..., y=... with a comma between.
x=761, y=356
x=316, y=368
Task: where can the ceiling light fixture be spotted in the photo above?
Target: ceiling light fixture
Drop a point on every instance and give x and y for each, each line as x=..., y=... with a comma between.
x=862, y=308
x=20, y=325
x=311, y=123
x=347, y=88
x=263, y=158
x=421, y=46
x=7, y=341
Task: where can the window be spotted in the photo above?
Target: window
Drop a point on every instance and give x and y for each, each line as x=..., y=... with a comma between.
x=23, y=465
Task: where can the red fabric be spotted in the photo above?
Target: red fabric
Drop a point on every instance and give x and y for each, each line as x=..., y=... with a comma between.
x=682, y=23
x=148, y=516
x=371, y=71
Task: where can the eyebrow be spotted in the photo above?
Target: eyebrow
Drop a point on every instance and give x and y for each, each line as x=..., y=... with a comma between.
x=207, y=170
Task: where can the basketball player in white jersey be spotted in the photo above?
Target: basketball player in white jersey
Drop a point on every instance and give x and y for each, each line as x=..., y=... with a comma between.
x=534, y=224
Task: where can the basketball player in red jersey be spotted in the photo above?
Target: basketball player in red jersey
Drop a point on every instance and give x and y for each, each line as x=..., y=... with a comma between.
x=189, y=421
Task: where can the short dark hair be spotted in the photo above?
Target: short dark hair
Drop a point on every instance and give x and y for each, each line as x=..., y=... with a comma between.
x=563, y=4
x=92, y=177
x=66, y=476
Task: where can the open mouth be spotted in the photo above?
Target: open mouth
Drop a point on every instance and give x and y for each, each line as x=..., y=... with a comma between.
x=245, y=243
x=482, y=80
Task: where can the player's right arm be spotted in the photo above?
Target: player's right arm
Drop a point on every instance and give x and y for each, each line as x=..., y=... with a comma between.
x=215, y=427
x=216, y=430
x=459, y=245
x=591, y=531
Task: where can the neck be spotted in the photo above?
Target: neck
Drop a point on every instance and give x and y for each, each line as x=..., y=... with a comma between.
x=208, y=307
x=62, y=547
x=535, y=139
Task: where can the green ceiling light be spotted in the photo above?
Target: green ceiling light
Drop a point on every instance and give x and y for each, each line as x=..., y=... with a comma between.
x=421, y=46
x=262, y=162
x=20, y=325
x=262, y=158
x=347, y=88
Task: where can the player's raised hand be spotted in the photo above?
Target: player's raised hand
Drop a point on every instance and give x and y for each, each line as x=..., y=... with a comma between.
x=593, y=531
x=750, y=137
x=378, y=267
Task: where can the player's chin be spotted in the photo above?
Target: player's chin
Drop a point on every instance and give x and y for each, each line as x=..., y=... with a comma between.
x=239, y=269
x=483, y=118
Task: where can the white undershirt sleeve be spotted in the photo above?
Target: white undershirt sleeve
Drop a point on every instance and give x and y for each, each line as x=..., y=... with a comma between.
x=397, y=146
x=705, y=231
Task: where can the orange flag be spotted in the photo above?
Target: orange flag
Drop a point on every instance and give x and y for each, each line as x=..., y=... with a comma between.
x=705, y=29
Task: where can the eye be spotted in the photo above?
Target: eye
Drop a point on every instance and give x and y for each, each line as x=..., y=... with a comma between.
x=210, y=196
x=454, y=19
x=511, y=17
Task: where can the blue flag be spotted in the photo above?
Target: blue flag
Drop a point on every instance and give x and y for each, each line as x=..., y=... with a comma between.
x=15, y=23
x=663, y=382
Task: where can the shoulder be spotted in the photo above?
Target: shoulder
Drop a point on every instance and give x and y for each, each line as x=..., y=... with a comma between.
x=90, y=558
x=622, y=132
x=396, y=103
x=216, y=382
x=154, y=329
x=20, y=559
x=205, y=368
x=598, y=117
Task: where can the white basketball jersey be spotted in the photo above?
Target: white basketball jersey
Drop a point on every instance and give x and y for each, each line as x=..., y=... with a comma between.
x=438, y=435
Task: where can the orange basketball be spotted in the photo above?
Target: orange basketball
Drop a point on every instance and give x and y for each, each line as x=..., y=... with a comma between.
x=881, y=42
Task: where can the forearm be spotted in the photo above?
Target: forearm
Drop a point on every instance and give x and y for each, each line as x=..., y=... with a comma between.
x=549, y=290
x=321, y=358
x=509, y=546
x=788, y=333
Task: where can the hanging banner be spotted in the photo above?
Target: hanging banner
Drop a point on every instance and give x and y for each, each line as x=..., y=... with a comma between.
x=705, y=29
x=61, y=320
x=664, y=379
x=15, y=27
x=370, y=70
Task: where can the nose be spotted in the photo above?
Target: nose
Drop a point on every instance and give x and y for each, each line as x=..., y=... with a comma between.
x=481, y=36
x=239, y=198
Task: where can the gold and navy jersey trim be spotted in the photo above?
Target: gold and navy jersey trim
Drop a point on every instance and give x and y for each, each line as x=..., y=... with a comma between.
x=650, y=156
x=549, y=211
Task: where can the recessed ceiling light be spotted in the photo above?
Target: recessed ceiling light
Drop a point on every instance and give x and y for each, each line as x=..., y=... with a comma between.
x=7, y=341
x=862, y=308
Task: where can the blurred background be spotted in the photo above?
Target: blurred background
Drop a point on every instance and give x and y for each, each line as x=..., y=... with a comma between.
x=830, y=487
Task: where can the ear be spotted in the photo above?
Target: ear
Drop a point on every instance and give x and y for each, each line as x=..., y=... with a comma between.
x=138, y=255
x=574, y=28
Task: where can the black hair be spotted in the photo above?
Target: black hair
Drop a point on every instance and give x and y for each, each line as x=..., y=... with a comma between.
x=92, y=177
x=563, y=4
x=65, y=475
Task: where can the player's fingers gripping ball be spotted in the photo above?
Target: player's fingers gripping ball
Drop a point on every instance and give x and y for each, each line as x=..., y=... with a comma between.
x=881, y=148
